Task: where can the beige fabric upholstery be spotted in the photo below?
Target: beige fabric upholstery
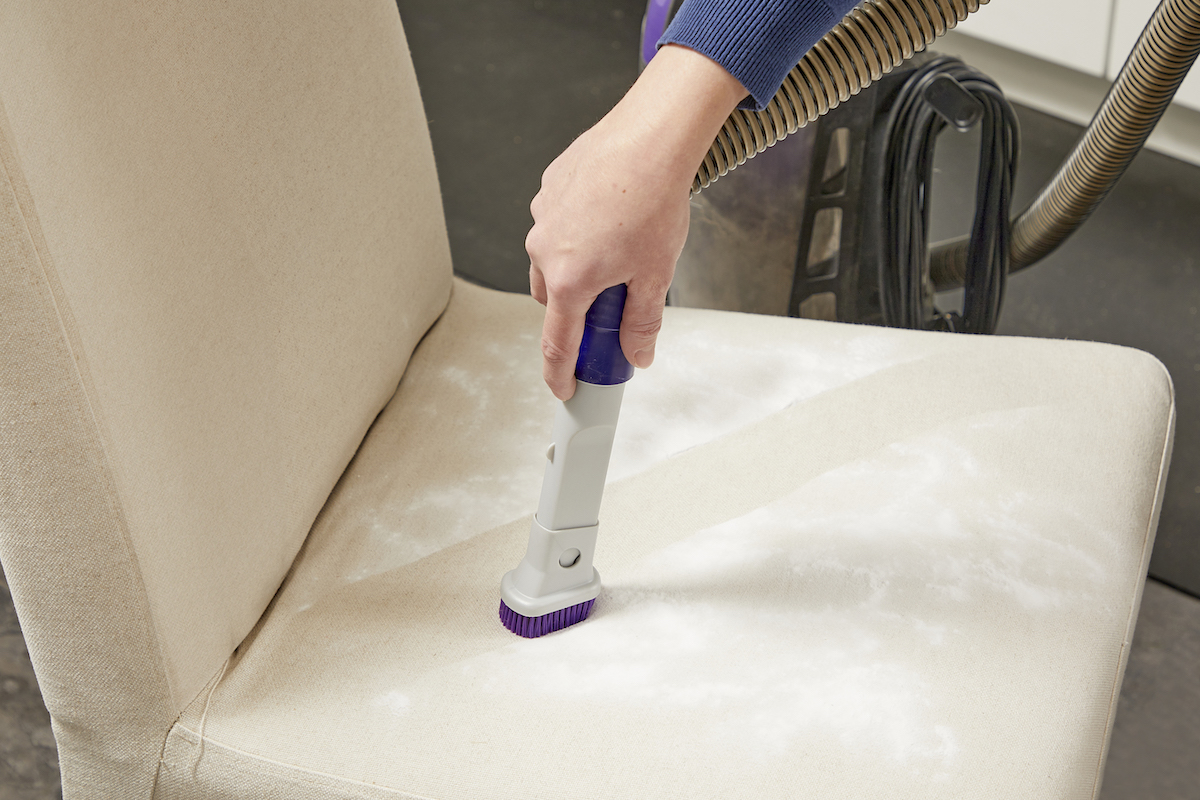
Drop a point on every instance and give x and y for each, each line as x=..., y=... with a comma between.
x=73, y=573
x=839, y=561
x=222, y=237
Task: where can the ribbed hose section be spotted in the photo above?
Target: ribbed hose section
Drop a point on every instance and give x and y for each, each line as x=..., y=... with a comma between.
x=1139, y=96
x=869, y=42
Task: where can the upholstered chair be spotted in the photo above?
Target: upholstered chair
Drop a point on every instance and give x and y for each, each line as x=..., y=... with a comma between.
x=263, y=462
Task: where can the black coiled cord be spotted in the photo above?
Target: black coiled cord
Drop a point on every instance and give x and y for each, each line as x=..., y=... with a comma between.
x=945, y=91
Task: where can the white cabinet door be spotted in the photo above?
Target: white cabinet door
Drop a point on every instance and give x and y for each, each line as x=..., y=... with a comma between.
x=1130, y=18
x=1073, y=33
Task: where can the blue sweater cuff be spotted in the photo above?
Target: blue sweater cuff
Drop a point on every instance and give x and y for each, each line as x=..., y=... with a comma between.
x=756, y=41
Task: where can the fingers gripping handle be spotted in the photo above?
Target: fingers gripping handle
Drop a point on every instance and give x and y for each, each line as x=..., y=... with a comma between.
x=601, y=361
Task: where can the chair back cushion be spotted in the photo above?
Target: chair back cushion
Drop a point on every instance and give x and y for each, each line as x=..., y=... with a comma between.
x=221, y=237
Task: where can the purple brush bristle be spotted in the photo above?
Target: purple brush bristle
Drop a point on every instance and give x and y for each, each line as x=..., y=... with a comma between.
x=533, y=627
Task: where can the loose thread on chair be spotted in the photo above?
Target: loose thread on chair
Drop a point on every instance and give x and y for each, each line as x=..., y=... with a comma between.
x=204, y=715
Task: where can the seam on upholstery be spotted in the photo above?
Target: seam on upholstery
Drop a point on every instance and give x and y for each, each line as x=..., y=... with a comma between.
x=83, y=391
x=1134, y=609
x=244, y=754
x=204, y=714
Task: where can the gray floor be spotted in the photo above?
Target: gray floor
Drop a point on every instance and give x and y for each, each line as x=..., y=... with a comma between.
x=1155, y=750
x=28, y=758
x=509, y=83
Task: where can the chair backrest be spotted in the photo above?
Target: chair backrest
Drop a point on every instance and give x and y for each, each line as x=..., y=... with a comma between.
x=221, y=237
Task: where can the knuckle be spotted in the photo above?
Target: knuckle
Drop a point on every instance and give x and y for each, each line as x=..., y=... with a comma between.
x=536, y=290
x=554, y=353
x=558, y=284
x=646, y=329
x=565, y=284
x=533, y=241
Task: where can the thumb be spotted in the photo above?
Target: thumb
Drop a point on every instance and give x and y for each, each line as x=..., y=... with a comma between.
x=641, y=322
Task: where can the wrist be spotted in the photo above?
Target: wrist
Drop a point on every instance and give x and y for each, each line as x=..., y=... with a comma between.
x=677, y=107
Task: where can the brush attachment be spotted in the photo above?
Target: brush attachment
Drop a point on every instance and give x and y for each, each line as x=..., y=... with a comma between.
x=533, y=627
x=555, y=584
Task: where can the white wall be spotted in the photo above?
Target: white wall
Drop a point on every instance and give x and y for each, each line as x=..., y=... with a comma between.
x=1090, y=36
x=1129, y=18
x=1067, y=93
x=1073, y=33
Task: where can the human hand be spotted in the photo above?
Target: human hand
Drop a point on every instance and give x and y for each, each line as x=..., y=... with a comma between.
x=613, y=208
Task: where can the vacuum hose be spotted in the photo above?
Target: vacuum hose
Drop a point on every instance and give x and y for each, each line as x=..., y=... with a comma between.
x=880, y=34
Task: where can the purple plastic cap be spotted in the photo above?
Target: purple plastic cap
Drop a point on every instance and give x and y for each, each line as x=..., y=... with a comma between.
x=601, y=361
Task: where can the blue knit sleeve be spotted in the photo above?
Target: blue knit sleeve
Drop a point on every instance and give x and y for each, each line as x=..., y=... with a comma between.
x=756, y=41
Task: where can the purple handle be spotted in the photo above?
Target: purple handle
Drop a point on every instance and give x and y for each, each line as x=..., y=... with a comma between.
x=601, y=361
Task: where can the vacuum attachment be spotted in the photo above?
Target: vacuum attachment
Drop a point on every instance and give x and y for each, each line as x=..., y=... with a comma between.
x=555, y=585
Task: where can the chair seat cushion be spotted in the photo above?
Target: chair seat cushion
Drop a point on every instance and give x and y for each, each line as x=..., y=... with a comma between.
x=838, y=561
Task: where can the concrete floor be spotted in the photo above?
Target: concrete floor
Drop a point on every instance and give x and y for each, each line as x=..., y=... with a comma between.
x=509, y=83
x=1155, y=750
x=28, y=758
